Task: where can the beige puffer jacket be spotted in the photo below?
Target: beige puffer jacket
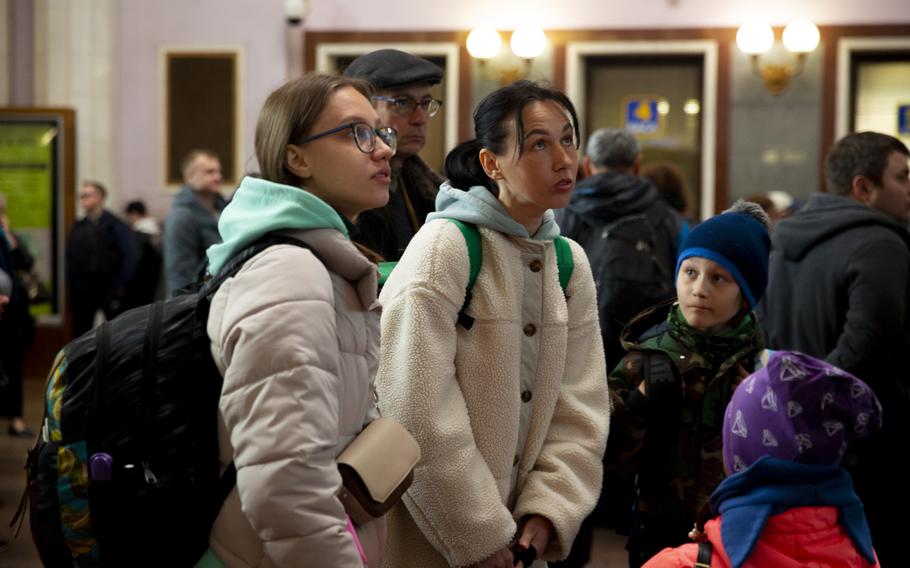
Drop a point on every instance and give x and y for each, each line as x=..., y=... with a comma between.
x=297, y=343
x=511, y=415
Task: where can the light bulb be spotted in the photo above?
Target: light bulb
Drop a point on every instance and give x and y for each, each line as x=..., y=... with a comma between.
x=801, y=36
x=484, y=42
x=755, y=37
x=528, y=42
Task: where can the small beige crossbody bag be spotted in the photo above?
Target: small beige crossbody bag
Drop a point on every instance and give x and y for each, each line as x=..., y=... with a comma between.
x=376, y=468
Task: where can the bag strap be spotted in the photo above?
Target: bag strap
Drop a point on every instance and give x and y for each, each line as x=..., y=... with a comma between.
x=565, y=263
x=149, y=382
x=705, y=551
x=237, y=261
x=475, y=255
x=475, y=249
x=102, y=357
x=475, y=259
x=228, y=479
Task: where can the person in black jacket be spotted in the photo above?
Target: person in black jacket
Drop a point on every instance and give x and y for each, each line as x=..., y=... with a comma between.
x=631, y=234
x=100, y=259
x=840, y=290
x=16, y=331
x=404, y=100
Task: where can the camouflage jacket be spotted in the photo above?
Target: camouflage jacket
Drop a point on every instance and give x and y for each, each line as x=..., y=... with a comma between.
x=676, y=452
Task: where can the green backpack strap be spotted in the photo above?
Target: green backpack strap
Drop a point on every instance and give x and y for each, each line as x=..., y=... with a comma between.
x=475, y=259
x=565, y=263
x=385, y=269
x=475, y=249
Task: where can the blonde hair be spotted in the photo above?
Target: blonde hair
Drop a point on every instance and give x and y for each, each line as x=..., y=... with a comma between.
x=288, y=116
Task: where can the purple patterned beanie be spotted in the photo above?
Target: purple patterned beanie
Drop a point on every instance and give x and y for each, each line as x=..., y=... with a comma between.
x=798, y=409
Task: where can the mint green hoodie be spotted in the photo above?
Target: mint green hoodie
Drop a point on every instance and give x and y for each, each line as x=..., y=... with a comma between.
x=259, y=207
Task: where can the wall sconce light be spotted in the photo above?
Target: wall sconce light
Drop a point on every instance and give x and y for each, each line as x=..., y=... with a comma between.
x=295, y=11
x=800, y=38
x=484, y=43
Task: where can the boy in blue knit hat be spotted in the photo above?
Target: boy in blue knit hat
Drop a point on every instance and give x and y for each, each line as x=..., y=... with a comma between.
x=684, y=360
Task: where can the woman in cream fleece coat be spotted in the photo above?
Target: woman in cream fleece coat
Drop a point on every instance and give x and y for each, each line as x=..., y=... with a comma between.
x=511, y=414
x=296, y=332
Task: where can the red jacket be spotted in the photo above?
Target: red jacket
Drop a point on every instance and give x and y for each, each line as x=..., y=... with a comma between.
x=799, y=537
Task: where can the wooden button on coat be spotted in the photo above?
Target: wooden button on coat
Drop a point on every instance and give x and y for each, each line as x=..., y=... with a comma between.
x=526, y=396
x=530, y=329
x=535, y=265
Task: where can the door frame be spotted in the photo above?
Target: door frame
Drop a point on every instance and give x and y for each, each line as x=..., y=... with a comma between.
x=577, y=52
x=846, y=47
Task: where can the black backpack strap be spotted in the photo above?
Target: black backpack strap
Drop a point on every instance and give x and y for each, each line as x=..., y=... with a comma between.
x=149, y=382
x=228, y=479
x=705, y=551
x=102, y=357
x=234, y=265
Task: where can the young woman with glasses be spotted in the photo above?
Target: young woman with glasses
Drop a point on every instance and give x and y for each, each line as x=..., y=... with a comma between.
x=296, y=332
x=511, y=411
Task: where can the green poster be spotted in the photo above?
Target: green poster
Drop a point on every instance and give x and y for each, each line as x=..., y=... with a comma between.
x=27, y=151
x=26, y=173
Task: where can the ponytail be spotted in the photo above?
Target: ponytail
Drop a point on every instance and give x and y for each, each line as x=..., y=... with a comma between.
x=462, y=167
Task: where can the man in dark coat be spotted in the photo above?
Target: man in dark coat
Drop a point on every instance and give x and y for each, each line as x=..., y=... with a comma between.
x=16, y=330
x=613, y=202
x=100, y=259
x=404, y=101
x=840, y=289
x=631, y=236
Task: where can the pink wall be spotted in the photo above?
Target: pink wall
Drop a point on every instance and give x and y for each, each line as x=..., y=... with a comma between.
x=588, y=14
x=258, y=26
x=144, y=28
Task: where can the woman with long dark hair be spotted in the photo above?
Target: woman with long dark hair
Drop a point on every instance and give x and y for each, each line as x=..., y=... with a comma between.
x=505, y=392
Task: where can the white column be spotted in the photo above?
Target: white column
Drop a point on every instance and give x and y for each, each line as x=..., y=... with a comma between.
x=74, y=68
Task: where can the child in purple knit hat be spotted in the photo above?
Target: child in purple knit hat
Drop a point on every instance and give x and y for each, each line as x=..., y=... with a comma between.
x=787, y=501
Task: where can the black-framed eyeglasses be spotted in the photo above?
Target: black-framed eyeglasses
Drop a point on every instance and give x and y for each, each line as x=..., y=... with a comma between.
x=364, y=136
x=405, y=105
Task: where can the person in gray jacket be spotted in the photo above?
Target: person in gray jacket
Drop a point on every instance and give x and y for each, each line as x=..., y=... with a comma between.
x=192, y=225
x=839, y=289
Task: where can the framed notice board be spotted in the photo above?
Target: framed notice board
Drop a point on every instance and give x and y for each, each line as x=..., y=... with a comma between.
x=37, y=180
x=201, y=100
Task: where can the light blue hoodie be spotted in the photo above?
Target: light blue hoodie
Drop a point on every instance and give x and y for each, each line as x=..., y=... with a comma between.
x=480, y=207
x=260, y=207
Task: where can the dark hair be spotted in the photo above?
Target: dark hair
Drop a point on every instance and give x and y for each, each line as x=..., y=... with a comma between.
x=491, y=118
x=97, y=185
x=135, y=207
x=289, y=114
x=669, y=181
x=859, y=154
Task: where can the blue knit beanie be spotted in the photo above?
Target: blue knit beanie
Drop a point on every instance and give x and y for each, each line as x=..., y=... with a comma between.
x=738, y=240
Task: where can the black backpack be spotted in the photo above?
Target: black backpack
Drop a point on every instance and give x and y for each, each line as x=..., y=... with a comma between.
x=628, y=272
x=126, y=469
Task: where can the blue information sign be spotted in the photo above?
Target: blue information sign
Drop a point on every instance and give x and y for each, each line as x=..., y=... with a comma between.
x=903, y=120
x=641, y=116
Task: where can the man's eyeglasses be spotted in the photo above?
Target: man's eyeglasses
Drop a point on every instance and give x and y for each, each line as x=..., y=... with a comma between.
x=364, y=136
x=405, y=105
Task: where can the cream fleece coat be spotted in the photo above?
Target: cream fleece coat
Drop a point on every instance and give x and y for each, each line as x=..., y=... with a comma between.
x=511, y=415
x=297, y=343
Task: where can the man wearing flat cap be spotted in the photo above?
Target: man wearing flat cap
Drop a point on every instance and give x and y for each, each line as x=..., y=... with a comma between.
x=405, y=102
